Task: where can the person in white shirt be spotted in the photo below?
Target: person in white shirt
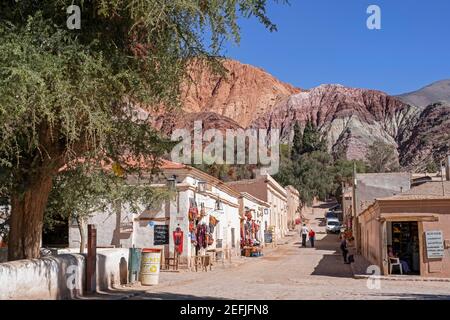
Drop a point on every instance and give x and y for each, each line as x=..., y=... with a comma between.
x=304, y=232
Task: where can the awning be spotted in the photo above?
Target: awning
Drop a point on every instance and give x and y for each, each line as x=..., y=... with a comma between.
x=405, y=217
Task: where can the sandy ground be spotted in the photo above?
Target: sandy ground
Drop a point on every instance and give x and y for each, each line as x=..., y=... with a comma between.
x=289, y=272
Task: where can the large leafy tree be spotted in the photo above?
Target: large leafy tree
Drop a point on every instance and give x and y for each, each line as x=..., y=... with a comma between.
x=84, y=190
x=66, y=94
x=309, y=168
x=297, y=142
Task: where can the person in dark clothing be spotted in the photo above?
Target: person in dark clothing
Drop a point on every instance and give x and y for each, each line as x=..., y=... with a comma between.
x=344, y=250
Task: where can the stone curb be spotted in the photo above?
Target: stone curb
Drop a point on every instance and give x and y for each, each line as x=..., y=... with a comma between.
x=401, y=278
x=357, y=275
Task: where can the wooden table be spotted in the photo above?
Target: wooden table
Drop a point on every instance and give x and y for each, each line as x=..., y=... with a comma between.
x=201, y=261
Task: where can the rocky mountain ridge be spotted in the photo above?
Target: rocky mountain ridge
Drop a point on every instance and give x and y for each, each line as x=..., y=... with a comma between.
x=351, y=118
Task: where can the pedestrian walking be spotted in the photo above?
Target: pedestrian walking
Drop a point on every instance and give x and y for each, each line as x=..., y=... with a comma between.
x=312, y=237
x=344, y=249
x=304, y=233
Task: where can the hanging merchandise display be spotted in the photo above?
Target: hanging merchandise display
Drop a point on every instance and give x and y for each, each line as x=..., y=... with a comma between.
x=193, y=210
x=213, y=220
x=201, y=236
x=212, y=223
x=194, y=238
x=250, y=242
x=209, y=239
x=178, y=240
x=202, y=211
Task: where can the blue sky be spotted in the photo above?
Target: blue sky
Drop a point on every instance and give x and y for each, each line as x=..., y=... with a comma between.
x=327, y=41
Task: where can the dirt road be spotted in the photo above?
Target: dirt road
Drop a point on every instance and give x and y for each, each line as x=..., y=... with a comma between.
x=290, y=272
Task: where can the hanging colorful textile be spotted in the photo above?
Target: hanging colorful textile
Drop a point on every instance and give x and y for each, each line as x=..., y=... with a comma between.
x=202, y=211
x=193, y=210
x=201, y=236
x=213, y=220
x=194, y=239
x=178, y=240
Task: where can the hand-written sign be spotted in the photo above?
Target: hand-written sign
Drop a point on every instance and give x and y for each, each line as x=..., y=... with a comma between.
x=268, y=237
x=435, y=244
x=160, y=235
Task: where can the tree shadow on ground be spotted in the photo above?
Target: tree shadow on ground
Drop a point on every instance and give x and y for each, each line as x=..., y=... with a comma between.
x=326, y=205
x=332, y=263
x=172, y=296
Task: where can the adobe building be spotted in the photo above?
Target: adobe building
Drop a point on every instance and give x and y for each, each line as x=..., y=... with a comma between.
x=416, y=223
x=201, y=202
x=362, y=192
x=267, y=189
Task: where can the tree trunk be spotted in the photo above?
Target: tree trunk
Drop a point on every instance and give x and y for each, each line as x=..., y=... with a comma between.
x=82, y=229
x=27, y=213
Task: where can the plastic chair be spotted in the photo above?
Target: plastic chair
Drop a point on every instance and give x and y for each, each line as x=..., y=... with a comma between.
x=395, y=262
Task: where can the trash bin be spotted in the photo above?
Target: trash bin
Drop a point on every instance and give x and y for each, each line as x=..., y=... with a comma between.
x=134, y=263
x=150, y=265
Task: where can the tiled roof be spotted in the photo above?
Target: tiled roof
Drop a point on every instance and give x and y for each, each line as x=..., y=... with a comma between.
x=166, y=164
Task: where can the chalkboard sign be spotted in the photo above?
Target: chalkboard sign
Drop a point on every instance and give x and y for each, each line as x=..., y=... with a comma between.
x=160, y=235
x=268, y=237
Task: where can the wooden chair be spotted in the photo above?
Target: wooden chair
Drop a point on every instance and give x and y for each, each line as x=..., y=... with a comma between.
x=172, y=262
x=206, y=262
x=202, y=262
x=394, y=262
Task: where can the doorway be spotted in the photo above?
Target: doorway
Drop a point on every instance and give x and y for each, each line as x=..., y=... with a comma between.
x=404, y=239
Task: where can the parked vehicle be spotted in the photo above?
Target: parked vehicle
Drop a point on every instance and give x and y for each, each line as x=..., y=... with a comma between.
x=333, y=225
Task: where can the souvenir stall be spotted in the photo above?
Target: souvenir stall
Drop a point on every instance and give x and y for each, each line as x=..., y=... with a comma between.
x=201, y=230
x=250, y=242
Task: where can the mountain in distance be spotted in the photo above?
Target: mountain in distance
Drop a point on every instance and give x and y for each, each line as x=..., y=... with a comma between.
x=241, y=94
x=436, y=92
x=352, y=118
x=429, y=140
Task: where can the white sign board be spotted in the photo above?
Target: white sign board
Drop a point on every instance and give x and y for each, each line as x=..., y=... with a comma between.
x=435, y=244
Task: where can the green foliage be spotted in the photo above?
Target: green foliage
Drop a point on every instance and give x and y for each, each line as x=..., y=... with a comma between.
x=64, y=92
x=4, y=218
x=311, y=169
x=343, y=169
x=228, y=172
x=382, y=157
x=308, y=166
x=70, y=94
x=297, y=142
x=432, y=167
x=312, y=139
x=82, y=191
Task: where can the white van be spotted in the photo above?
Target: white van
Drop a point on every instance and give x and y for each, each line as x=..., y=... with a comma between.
x=333, y=225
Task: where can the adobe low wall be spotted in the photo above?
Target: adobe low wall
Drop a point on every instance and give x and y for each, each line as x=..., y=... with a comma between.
x=42, y=279
x=3, y=255
x=50, y=278
x=112, y=267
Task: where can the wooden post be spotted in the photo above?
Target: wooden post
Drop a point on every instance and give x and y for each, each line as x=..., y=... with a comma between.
x=91, y=262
